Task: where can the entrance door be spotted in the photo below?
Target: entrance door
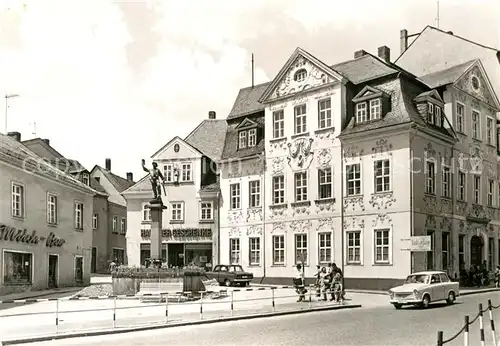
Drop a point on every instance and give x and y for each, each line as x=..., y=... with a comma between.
x=79, y=269
x=476, y=251
x=176, y=255
x=53, y=259
x=93, y=263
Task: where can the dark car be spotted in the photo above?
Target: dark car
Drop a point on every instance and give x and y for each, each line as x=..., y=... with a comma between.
x=230, y=274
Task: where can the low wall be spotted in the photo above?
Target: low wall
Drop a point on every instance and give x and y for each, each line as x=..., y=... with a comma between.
x=124, y=286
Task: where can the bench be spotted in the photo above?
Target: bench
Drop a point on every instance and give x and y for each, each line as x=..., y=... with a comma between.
x=157, y=291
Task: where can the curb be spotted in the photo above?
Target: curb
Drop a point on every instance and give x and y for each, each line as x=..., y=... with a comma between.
x=180, y=324
x=486, y=290
x=33, y=298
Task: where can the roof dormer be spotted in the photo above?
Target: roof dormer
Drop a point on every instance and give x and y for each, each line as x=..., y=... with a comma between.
x=430, y=106
x=370, y=104
x=249, y=133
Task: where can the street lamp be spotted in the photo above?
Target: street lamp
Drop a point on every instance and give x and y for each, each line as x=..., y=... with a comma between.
x=7, y=97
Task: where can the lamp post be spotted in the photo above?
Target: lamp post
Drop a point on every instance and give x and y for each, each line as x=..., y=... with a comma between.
x=7, y=97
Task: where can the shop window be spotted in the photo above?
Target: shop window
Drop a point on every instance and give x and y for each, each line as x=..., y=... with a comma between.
x=119, y=256
x=17, y=268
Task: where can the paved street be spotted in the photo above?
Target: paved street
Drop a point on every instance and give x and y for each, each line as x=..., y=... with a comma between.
x=373, y=325
x=45, y=296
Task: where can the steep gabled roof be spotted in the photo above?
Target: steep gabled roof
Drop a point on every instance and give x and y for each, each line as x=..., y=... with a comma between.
x=447, y=76
x=365, y=68
x=39, y=141
x=247, y=101
x=143, y=185
x=170, y=142
x=119, y=183
x=208, y=137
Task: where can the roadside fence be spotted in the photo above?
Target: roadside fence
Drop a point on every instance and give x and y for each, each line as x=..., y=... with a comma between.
x=467, y=323
x=68, y=316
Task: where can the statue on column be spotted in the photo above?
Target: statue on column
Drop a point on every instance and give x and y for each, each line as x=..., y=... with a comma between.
x=154, y=177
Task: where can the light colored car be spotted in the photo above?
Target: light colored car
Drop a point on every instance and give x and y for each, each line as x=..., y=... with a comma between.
x=423, y=288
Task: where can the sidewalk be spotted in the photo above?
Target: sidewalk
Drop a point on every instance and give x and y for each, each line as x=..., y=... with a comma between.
x=39, y=294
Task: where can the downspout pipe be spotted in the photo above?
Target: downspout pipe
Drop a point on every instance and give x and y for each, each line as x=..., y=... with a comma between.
x=342, y=240
x=264, y=166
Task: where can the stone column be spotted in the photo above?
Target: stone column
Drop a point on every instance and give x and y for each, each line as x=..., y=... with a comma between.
x=156, y=229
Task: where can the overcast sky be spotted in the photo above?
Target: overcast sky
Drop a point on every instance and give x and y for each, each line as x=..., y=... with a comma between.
x=119, y=79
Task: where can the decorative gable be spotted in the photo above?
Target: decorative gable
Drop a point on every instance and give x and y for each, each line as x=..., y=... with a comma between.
x=367, y=93
x=176, y=149
x=246, y=123
x=301, y=72
x=476, y=83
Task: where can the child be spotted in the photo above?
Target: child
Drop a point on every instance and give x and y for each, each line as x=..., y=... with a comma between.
x=337, y=288
x=298, y=283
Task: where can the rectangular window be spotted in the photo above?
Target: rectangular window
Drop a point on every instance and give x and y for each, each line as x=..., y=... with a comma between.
x=430, y=177
x=254, y=191
x=461, y=186
x=430, y=113
x=17, y=268
x=491, y=251
x=382, y=244
x=278, y=124
x=353, y=247
x=300, y=248
x=445, y=250
x=475, y=125
x=168, y=173
x=17, y=200
x=279, y=189
x=254, y=251
x=300, y=186
x=489, y=131
x=115, y=224
x=300, y=119
x=235, y=250
x=51, y=209
x=353, y=178
x=79, y=215
x=375, y=109
x=252, y=138
x=460, y=117
x=242, y=140
x=235, y=196
x=491, y=185
x=430, y=254
x=437, y=114
x=279, y=249
x=325, y=183
x=325, y=247
x=206, y=211
x=382, y=176
x=186, y=172
x=95, y=221
x=461, y=252
x=146, y=213
x=477, y=189
x=325, y=113
x=445, y=183
x=361, y=114
x=177, y=211
x=118, y=256
x=123, y=226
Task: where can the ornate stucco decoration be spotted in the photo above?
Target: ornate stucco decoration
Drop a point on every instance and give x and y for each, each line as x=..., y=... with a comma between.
x=324, y=158
x=325, y=223
x=430, y=222
x=278, y=145
x=461, y=208
x=445, y=157
x=235, y=217
x=478, y=213
x=302, y=226
x=277, y=106
x=355, y=203
x=490, y=171
x=461, y=226
x=382, y=146
x=382, y=200
x=476, y=159
x=446, y=206
x=254, y=214
x=381, y=220
x=255, y=167
x=492, y=150
x=328, y=133
x=445, y=224
x=325, y=205
x=462, y=161
x=430, y=204
x=352, y=152
x=278, y=165
x=279, y=227
x=235, y=170
x=234, y=232
x=278, y=211
x=491, y=213
x=254, y=231
x=430, y=152
x=301, y=208
x=354, y=223
x=300, y=155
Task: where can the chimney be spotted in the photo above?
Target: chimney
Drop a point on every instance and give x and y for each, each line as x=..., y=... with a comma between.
x=211, y=115
x=130, y=176
x=384, y=53
x=450, y=32
x=403, y=40
x=16, y=135
x=108, y=164
x=359, y=53
x=46, y=141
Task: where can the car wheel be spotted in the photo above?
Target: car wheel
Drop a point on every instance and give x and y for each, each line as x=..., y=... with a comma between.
x=451, y=298
x=227, y=283
x=247, y=283
x=426, y=301
x=397, y=306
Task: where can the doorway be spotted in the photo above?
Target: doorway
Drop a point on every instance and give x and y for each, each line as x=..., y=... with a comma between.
x=79, y=269
x=93, y=261
x=53, y=263
x=176, y=255
x=476, y=250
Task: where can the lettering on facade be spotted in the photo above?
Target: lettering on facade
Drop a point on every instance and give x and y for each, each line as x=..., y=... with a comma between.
x=8, y=233
x=180, y=233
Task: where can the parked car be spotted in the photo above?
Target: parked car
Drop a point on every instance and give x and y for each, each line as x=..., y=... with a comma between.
x=423, y=288
x=230, y=274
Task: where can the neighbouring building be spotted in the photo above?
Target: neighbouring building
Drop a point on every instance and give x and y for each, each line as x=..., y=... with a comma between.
x=108, y=211
x=191, y=221
x=45, y=222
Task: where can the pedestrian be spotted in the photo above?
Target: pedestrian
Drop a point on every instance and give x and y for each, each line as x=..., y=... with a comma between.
x=337, y=288
x=497, y=277
x=299, y=284
x=318, y=280
x=324, y=282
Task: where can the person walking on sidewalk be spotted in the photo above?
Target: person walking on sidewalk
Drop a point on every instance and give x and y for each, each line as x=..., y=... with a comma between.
x=318, y=280
x=299, y=283
x=497, y=277
x=324, y=282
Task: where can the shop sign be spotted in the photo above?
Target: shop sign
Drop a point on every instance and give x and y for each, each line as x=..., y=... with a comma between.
x=180, y=233
x=18, y=235
x=417, y=243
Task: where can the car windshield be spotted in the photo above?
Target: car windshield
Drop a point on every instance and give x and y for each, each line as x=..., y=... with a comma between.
x=236, y=269
x=417, y=279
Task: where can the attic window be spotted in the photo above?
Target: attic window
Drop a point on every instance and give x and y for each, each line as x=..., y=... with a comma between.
x=85, y=179
x=434, y=114
x=247, y=138
x=475, y=83
x=369, y=110
x=300, y=75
